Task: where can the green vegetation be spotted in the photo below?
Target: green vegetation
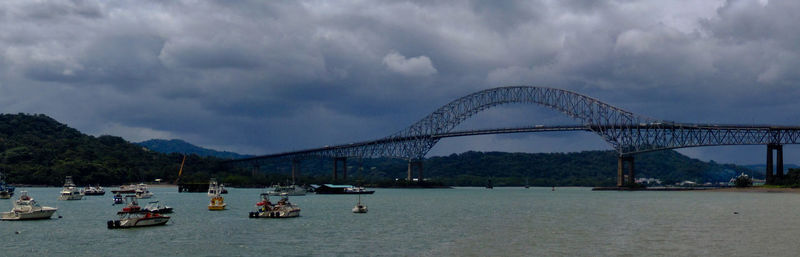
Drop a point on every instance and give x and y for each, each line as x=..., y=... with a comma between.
x=180, y=146
x=37, y=150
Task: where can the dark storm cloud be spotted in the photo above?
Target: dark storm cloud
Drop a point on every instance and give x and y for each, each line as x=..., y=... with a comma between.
x=268, y=76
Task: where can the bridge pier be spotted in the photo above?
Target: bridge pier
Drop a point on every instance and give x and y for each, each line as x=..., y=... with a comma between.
x=621, y=178
x=411, y=165
x=336, y=166
x=774, y=176
x=295, y=169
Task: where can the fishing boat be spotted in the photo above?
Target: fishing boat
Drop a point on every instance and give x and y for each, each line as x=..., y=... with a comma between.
x=6, y=191
x=282, y=209
x=360, y=208
x=214, y=187
x=25, y=208
x=92, y=190
x=157, y=207
x=70, y=191
x=217, y=203
x=291, y=190
x=132, y=215
x=142, y=192
x=118, y=199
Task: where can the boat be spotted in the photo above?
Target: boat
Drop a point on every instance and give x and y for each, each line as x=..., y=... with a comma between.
x=118, y=199
x=91, y=190
x=126, y=189
x=282, y=209
x=132, y=216
x=6, y=191
x=489, y=184
x=360, y=208
x=291, y=190
x=341, y=189
x=70, y=191
x=214, y=187
x=25, y=208
x=217, y=203
x=142, y=192
x=157, y=207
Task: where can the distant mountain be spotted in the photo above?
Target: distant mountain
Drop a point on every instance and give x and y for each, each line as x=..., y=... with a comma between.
x=180, y=146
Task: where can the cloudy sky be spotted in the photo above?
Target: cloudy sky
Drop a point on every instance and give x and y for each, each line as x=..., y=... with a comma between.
x=260, y=77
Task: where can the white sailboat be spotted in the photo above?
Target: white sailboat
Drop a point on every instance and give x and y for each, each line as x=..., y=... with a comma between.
x=360, y=208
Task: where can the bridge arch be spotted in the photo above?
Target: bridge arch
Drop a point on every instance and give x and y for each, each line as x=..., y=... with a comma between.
x=597, y=116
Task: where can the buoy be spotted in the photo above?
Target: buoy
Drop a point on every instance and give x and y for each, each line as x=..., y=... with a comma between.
x=59, y=216
x=736, y=212
x=16, y=232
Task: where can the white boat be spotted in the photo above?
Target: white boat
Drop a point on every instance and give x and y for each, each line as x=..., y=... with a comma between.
x=142, y=192
x=214, y=188
x=25, y=208
x=360, y=208
x=157, y=207
x=133, y=216
x=70, y=191
x=91, y=190
x=282, y=209
x=291, y=190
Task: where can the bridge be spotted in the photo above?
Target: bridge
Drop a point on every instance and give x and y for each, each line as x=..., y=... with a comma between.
x=626, y=132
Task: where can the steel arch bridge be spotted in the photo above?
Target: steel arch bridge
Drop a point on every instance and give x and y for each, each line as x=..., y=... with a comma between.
x=625, y=131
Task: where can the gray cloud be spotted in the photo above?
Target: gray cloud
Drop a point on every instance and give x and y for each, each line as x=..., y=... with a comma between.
x=260, y=77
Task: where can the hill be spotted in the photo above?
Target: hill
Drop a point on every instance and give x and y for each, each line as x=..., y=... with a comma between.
x=38, y=150
x=180, y=146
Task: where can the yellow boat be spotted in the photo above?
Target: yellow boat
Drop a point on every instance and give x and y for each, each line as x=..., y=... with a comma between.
x=217, y=203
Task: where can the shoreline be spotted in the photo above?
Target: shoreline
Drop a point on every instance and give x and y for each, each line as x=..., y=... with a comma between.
x=757, y=190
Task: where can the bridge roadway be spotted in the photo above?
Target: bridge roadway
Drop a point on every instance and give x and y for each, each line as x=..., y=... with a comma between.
x=625, y=131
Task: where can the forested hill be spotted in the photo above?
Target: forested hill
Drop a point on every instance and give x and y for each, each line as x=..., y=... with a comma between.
x=38, y=150
x=180, y=146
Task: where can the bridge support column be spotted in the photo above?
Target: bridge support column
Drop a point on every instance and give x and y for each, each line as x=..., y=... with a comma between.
x=621, y=179
x=295, y=169
x=414, y=164
x=336, y=167
x=774, y=175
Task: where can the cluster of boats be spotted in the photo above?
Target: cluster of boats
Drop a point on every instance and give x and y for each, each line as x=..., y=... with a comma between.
x=152, y=214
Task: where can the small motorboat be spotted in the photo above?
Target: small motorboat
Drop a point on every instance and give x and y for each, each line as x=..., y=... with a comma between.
x=157, y=207
x=118, y=199
x=91, y=190
x=360, y=208
x=125, y=189
x=6, y=191
x=142, y=192
x=282, y=209
x=25, y=208
x=132, y=216
x=217, y=203
x=70, y=191
x=215, y=188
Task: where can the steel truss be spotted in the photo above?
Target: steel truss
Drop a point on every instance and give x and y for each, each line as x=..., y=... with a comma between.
x=626, y=132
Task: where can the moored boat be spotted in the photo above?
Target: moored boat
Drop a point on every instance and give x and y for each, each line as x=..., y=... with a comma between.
x=25, y=208
x=132, y=215
x=341, y=189
x=291, y=190
x=282, y=209
x=92, y=190
x=215, y=188
x=125, y=189
x=142, y=192
x=217, y=203
x=118, y=199
x=157, y=207
x=360, y=208
x=70, y=191
x=6, y=191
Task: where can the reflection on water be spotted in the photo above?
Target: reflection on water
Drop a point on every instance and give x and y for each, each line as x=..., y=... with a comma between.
x=429, y=222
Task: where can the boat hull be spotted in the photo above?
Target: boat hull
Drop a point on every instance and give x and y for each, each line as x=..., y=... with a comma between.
x=276, y=214
x=45, y=213
x=217, y=207
x=138, y=222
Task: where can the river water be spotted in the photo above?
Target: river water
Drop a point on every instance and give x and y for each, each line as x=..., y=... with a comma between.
x=426, y=222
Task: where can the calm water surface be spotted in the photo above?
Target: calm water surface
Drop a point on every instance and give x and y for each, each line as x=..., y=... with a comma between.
x=429, y=222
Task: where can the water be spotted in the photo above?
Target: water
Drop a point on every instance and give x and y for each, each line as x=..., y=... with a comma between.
x=428, y=222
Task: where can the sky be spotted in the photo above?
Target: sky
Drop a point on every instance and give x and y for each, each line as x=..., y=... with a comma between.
x=259, y=77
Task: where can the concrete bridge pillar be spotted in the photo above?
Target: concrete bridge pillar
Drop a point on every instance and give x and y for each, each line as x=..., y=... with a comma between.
x=774, y=175
x=621, y=178
x=412, y=164
x=295, y=169
x=336, y=166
